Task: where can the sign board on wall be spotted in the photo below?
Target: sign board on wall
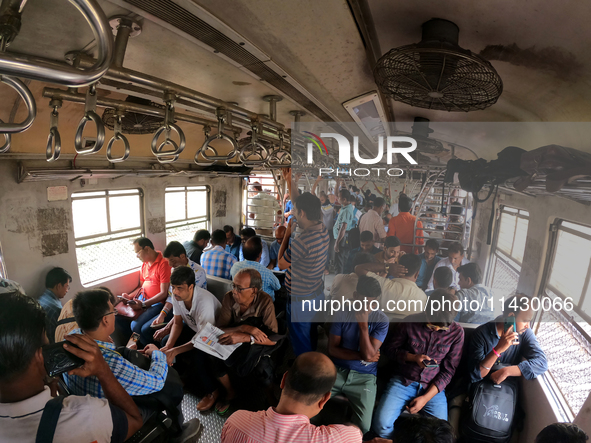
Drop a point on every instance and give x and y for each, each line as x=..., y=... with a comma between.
x=57, y=193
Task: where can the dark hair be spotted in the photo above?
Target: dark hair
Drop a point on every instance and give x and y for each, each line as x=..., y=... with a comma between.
x=361, y=258
x=404, y=204
x=22, y=325
x=378, y=202
x=174, y=249
x=142, y=242
x=256, y=280
x=411, y=262
x=218, y=237
x=248, y=232
x=182, y=274
x=89, y=307
x=516, y=304
x=471, y=271
x=366, y=236
x=112, y=297
x=391, y=242
x=443, y=276
x=228, y=228
x=562, y=433
x=344, y=195
x=455, y=248
x=257, y=186
x=444, y=313
x=201, y=234
x=252, y=248
x=310, y=204
x=57, y=276
x=420, y=429
x=456, y=208
x=308, y=383
x=432, y=244
x=368, y=287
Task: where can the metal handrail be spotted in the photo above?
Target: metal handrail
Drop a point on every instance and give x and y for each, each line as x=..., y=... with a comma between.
x=256, y=149
x=37, y=68
x=168, y=156
x=54, y=141
x=90, y=115
x=118, y=136
x=6, y=146
x=210, y=160
x=29, y=100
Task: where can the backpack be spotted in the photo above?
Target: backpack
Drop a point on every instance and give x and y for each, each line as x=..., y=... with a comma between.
x=491, y=413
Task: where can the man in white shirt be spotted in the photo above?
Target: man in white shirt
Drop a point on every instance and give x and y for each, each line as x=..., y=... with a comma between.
x=455, y=258
x=193, y=308
x=24, y=396
x=372, y=222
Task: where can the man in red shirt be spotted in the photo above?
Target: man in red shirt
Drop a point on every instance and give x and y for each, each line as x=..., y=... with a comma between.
x=403, y=225
x=150, y=296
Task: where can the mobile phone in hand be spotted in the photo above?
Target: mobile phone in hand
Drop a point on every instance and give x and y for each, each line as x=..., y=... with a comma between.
x=57, y=360
x=430, y=363
x=510, y=321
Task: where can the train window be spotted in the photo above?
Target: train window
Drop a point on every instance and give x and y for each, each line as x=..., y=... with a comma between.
x=568, y=271
x=186, y=211
x=267, y=181
x=105, y=223
x=507, y=255
x=2, y=265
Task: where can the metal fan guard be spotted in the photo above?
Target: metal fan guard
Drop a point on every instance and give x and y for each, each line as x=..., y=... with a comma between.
x=438, y=78
x=133, y=122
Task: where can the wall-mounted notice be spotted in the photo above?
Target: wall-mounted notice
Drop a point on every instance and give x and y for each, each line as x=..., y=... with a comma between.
x=57, y=193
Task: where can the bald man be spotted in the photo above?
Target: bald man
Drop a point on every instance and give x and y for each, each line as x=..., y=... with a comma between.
x=274, y=248
x=305, y=388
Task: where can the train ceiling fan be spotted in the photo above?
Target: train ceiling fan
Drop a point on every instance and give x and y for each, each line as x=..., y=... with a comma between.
x=133, y=122
x=437, y=73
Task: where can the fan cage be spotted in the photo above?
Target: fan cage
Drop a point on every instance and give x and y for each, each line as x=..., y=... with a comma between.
x=134, y=123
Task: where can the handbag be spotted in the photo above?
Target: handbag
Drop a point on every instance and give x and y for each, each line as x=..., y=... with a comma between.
x=127, y=311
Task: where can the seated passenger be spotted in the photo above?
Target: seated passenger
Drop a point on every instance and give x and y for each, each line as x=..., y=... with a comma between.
x=233, y=242
x=23, y=394
x=305, y=390
x=274, y=248
x=57, y=285
x=417, y=428
x=442, y=279
x=194, y=248
x=455, y=258
x=66, y=322
x=354, y=346
x=401, y=295
x=216, y=261
x=391, y=251
x=247, y=316
x=429, y=260
x=252, y=251
x=490, y=344
x=472, y=290
x=562, y=433
x=151, y=295
x=427, y=348
x=366, y=246
x=193, y=307
x=343, y=285
x=247, y=233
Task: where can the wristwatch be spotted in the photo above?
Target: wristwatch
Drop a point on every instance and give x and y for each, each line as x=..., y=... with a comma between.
x=252, y=340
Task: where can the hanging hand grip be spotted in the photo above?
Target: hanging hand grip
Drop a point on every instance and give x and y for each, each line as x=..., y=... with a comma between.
x=116, y=137
x=6, y=146
x=29, y=100
x=100, y=134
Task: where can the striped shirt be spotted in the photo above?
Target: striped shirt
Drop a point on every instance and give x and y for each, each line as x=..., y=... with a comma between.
x=307, y=255
x=270, y=427
x=270, y=282
x=218, y=262
x=134, y=380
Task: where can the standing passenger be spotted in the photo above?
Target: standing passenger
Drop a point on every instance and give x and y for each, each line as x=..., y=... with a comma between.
x=344, y=223
x=372, y=222
x=57, y=285
x=403, y=226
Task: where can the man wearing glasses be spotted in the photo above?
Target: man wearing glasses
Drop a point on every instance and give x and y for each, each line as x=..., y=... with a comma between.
x=427, y=348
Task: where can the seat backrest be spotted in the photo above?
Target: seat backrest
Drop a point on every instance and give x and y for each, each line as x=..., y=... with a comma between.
x=218, y=286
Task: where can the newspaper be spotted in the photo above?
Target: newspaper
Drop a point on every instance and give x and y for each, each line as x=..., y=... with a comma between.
x=206, y=340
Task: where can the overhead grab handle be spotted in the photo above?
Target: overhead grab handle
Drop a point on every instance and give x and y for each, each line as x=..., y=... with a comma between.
x=253, y=149
x=41, y=69
x=221, y=115
x=6, y=146
x=162, y=155
x=29, y=100
x=54, y=141
x=90, y=115
x=281, y=157
x=118, y=136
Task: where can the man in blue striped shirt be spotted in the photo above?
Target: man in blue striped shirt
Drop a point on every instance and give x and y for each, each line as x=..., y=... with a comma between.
x=253, y=250
x=305, y=261
x=217, y=261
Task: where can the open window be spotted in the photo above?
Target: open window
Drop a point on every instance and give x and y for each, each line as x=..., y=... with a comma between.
x=507, y=254
x=269, y=185
x=564, y=331
x=186, y=211
x=105, y=224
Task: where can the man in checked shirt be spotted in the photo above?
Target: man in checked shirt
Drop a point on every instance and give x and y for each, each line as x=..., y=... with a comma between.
x=427, y=348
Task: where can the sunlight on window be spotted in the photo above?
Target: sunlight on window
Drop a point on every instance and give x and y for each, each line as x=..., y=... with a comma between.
x=571, y=265
x=187, y=211
x=89, y=216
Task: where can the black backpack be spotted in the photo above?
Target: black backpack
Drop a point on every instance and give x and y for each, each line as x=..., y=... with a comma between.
x=492, y=411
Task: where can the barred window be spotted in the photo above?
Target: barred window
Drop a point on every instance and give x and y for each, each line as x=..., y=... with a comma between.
x=565, y=336
x=186, y=211
x=252, y=211
x=507, y=255
x=105, y=224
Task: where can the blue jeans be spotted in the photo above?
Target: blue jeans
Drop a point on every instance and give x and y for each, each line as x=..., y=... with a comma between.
x=396, y=397
x=303, y=332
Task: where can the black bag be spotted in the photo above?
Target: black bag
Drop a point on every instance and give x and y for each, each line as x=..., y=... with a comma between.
x=492, y=411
